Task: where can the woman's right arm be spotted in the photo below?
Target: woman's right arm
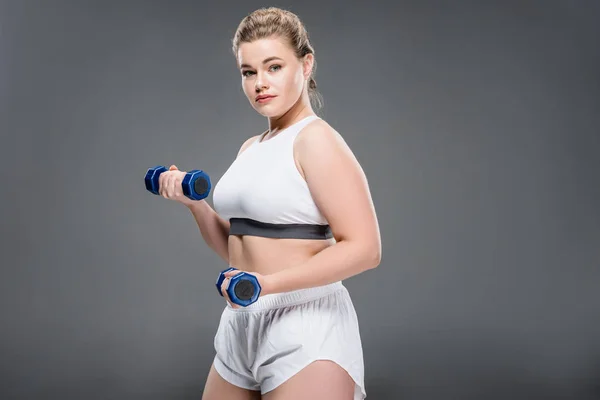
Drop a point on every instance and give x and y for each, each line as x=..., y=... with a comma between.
x=213, y=228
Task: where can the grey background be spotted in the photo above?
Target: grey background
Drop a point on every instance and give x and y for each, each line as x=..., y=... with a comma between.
x=477, y=124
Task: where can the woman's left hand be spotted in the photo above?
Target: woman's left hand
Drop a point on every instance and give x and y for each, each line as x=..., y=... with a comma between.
x=263, y=281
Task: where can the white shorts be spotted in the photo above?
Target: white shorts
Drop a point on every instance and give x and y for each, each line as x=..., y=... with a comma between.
x=262, y=345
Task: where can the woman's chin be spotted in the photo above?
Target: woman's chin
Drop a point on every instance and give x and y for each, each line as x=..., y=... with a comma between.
x=267, y=111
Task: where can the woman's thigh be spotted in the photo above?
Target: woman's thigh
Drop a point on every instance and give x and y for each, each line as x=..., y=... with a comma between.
x=217, y=388
x=320, y=380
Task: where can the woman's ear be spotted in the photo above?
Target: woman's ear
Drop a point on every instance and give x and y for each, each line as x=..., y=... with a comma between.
x=308, y=63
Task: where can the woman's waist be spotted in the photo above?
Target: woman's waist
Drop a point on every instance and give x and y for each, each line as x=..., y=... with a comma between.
x=268, y=255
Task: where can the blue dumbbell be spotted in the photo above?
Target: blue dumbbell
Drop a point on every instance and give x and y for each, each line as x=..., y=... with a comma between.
x=243, y=289
x=196, y=184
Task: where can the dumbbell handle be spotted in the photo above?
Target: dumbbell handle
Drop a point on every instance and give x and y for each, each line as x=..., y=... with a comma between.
x=196, y=184
x=243, y=288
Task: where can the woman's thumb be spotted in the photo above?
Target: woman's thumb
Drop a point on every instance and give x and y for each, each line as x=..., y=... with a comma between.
x=172, y=168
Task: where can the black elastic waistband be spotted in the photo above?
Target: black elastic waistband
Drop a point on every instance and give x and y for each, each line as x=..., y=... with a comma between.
x=247, y=226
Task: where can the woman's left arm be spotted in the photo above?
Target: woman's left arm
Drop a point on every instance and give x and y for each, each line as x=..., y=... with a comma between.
x=339, y=188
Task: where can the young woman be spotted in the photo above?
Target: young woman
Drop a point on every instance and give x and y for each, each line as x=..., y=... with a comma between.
x=294, y=210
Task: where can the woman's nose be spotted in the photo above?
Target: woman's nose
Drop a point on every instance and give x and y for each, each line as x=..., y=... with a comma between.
x=260, y=83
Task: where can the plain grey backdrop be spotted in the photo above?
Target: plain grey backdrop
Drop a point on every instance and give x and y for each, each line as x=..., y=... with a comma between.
x=477, y=124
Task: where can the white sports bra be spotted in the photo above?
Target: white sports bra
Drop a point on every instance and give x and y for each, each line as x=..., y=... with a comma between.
x=262, y=193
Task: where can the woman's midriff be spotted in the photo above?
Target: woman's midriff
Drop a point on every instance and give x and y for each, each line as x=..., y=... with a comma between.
x=267, y=255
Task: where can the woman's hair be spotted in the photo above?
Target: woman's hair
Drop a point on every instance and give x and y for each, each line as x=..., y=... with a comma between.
x=272, y=21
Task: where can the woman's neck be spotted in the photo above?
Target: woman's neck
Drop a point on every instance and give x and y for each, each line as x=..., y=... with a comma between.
x=297, y=112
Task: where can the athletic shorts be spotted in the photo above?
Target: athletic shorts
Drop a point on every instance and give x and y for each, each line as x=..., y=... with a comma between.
x=260, y=346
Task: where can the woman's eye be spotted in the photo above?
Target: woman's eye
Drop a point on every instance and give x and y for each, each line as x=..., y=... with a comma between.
x=275, y=67
x=246, y=73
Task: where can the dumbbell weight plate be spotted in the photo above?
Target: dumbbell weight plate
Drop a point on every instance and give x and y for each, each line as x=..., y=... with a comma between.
x=151, y=178
x=244, y=289
x=196, y=185
x=221, y=278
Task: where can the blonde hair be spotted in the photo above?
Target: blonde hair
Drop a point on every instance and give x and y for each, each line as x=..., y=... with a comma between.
x=272, y=21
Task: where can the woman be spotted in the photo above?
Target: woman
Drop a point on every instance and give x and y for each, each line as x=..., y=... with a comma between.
x=294, y=210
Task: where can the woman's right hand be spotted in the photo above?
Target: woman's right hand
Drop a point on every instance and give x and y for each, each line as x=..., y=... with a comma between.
x=169, y=186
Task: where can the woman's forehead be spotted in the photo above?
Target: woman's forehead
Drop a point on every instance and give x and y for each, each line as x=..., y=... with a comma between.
x=259, y=50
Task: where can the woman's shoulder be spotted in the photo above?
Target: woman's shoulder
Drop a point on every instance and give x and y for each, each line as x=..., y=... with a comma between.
x=248, y=142
x=318, y=133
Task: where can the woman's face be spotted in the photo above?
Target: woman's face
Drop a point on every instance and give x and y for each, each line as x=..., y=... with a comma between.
x=273, y=78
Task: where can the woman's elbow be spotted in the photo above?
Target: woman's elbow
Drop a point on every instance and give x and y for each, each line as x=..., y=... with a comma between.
x=376, y=256
x=366, y=250
x=372, y=255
